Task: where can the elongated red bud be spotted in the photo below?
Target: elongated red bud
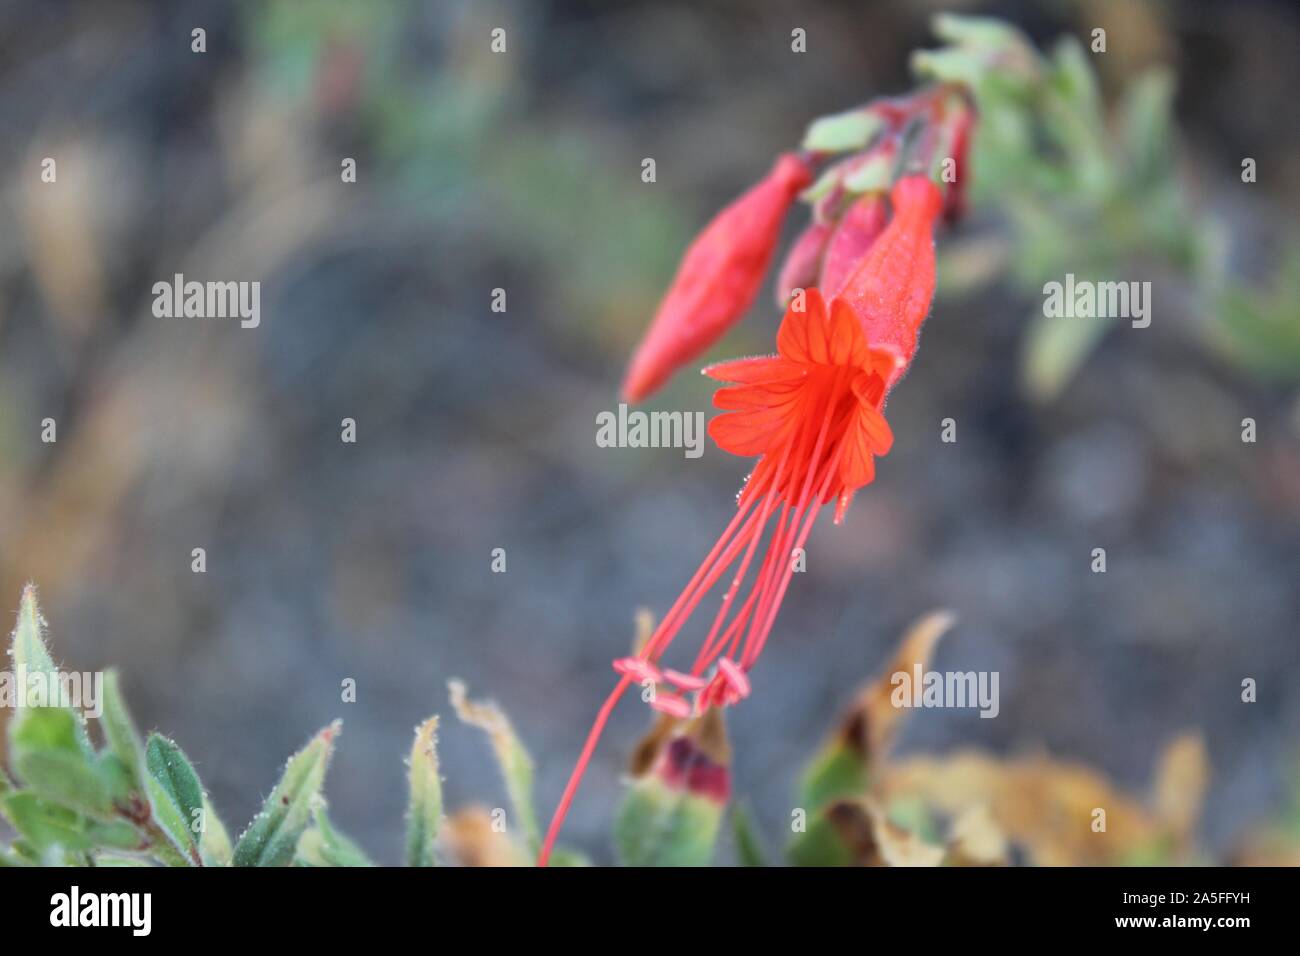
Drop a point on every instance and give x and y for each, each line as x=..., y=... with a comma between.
x=893, y=286
x=860, y=227
x=718, y=278
x=803, y=262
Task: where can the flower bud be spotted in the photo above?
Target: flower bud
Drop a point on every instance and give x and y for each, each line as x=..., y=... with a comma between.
x=718, y=278
x=854, y=235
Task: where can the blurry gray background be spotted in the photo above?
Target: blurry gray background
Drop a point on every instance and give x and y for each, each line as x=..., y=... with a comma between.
x=477, y=430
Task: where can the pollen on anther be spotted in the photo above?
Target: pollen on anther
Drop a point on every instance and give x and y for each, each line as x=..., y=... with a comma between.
x=686, y=682
x=672, y=706
x=737, y=680
x=639, y=669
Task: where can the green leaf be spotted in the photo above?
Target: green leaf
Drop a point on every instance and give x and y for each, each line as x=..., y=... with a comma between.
x=180, y=847
x=874, y=175
x=323, y=845
x=28, y=648
x=950, y=65
x=1146, y=124
x=47, y=824
x=838, y=770
x=1054, y=350
x=820, y=845
x=31, y=656
x=119, y=730
x=272, y=837
x=561, y=857
x=424, y=810
x=46, y=754
x=843, y=131
x=514, y=760
x=975, y=31
x=214, y=844
x=175, y=783
x=749, y=848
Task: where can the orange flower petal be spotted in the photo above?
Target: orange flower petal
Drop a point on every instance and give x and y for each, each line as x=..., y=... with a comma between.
x=751, y=371
x=802, y=336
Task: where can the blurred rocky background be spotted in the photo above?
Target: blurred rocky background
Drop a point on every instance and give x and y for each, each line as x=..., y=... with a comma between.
x=476, y=430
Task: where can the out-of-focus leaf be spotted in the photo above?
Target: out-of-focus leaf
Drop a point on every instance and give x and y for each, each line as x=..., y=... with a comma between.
x=977, y=840
x=515, y=763
x=1181, y=778
x=1260, y=328
x=950, y=65
x=873, y=175
x=1046, y=806
x=1146, y=126
x=842, y=766
x=115, y=859
x=843, y=131
x=1054, y=349
x=45, y=824
x=324, y=845
x=47, y=756
x=856, y=832
x=424, y=809
x=749, y=848
x=475, y=837
x=976, y=31
x=272, y=837
x=671, y=815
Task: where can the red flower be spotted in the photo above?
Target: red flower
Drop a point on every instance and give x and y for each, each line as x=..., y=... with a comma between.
x=812, y=415
x=718, y=278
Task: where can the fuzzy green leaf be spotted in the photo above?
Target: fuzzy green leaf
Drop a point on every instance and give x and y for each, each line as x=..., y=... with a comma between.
x=323, y=845
x=214, y=842
x=514, y=760
x=46, y=755
x=424, y=811
x=46, y=824
x=272, y=837
x=175, y=783
x=119, y=730
x=31, y=657
x=749, y=848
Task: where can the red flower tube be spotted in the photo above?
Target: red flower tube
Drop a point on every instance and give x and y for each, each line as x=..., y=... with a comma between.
x=718, y=278
x=892, y=286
